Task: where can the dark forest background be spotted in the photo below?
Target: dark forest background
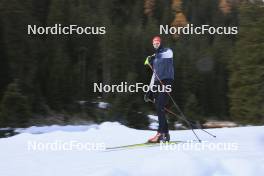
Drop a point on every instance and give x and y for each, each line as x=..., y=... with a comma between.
x=49, y=78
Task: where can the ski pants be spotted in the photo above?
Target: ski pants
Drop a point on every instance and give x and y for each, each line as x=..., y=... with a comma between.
x=161, y=100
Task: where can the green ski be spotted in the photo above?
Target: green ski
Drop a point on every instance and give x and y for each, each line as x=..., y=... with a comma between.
x=146, y=144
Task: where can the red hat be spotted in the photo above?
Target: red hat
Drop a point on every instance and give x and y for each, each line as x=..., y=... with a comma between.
x=156, y=39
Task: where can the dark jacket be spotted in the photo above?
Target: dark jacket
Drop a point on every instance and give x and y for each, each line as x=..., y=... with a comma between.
x=163, y=64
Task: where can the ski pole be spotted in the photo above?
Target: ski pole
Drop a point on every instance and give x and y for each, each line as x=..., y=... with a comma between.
x=183, y=118
x=178, y=116
x=169, y=111
x=177, y=107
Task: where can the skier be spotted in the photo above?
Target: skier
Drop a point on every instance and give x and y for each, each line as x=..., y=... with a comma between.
x=163, y=74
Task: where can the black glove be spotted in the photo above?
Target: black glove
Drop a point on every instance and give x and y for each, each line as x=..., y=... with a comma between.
x=149, y=97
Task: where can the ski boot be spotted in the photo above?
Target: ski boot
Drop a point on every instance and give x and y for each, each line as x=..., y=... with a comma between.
x=160, y=137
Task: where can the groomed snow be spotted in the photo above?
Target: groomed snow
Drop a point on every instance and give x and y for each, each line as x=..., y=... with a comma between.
x=247, y=160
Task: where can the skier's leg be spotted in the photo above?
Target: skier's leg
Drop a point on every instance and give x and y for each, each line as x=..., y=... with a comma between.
x=160, y=105
x=162, y=101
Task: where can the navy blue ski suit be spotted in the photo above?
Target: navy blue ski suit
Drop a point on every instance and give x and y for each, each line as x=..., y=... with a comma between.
x=163, y=67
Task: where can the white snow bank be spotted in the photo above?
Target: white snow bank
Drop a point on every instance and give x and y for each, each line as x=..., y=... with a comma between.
x=154, y=125
x=103, y=105
x=247, y=160
x=153, y=118
x=52, y=128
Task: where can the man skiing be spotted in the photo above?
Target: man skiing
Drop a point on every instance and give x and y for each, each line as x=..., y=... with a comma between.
x=163, y=74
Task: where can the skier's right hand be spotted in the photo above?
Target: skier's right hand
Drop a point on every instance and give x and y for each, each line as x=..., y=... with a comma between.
x=149, y=59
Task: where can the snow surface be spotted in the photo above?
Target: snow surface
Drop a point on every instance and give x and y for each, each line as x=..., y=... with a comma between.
x=52, y=128
x=248, y=160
